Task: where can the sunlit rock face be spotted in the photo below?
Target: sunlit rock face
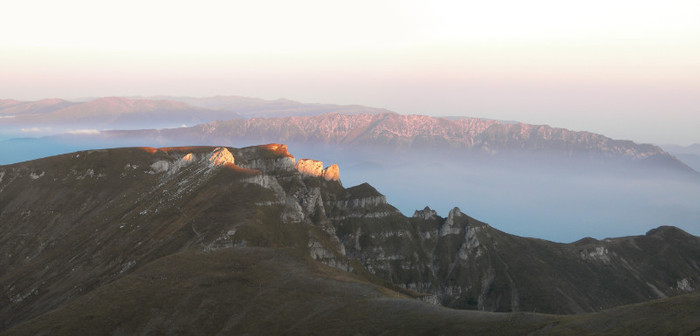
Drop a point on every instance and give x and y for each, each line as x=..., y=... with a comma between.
x=332, y=173
x=315, y=168
x=310, y=167
x=268, y=158
x=221, y=156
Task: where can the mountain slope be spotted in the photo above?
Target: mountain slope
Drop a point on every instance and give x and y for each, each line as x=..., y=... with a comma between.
x=165, y=224
x=688, y=154
x=258, y=291
x=18, y=109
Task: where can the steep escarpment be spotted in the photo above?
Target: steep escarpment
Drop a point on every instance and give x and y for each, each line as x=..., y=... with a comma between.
x=186, y=227
x=480, y=267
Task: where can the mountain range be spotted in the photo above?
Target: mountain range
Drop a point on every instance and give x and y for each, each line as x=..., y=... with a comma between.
x=222, y=240
x=51, y=116
x=235, y=119
x=395, y=132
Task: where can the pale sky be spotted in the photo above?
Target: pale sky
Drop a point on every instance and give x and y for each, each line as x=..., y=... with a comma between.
x=626, y=69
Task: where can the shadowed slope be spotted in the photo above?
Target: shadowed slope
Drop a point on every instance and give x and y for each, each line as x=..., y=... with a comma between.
x=256, y=291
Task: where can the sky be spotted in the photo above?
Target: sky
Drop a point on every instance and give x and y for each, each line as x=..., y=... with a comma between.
x=626, y=69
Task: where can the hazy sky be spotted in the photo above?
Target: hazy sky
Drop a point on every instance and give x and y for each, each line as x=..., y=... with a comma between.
x=627, y=69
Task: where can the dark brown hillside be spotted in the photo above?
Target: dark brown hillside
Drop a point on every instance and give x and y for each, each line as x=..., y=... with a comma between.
x=224, y=240
x=257, y=291
x=467, y=264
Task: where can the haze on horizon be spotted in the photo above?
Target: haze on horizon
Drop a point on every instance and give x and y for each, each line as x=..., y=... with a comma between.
x=625, y=69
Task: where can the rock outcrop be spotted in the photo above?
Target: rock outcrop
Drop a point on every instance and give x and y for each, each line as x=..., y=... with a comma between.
x=220, y=156
x=268, y=158
x=310, y=167
x=426, y=214
x=332, y=173
x=315, y=168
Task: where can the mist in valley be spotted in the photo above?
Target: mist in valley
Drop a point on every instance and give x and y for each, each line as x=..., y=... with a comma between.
x=542, y=197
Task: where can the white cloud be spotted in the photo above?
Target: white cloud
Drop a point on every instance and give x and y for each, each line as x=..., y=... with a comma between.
x=35, y=129
x=84, y=131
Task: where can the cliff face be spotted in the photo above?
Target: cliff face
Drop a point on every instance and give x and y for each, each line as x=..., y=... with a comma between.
x=74, y=224
x=315, y=168
x=463, y=263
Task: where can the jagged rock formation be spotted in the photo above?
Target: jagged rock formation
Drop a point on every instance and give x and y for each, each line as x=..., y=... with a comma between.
x=81, y=229
x=426, y=214
x=220, y=156
x=315, y=168
x=468, y=264
x=332, y=173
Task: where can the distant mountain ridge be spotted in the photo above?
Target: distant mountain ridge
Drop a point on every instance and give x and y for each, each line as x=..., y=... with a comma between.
x=105, y=113
x=688, y=154
x=19, y=109
x=412, y=132
x=153, y=112
x=255, y=107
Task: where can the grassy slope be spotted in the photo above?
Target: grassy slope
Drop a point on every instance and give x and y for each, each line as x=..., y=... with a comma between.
x=258, y=291
x=279, y=291
x=679, y=315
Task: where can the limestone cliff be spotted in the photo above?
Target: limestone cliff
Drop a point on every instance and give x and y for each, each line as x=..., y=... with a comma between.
x=315, y=168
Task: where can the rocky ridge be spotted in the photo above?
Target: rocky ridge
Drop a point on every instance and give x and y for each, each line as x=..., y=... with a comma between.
x=74, y=223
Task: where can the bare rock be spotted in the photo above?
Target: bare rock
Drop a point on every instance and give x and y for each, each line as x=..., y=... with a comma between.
x=221, y=156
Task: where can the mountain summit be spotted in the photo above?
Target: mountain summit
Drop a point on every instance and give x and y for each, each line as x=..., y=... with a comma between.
x=248, y=240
